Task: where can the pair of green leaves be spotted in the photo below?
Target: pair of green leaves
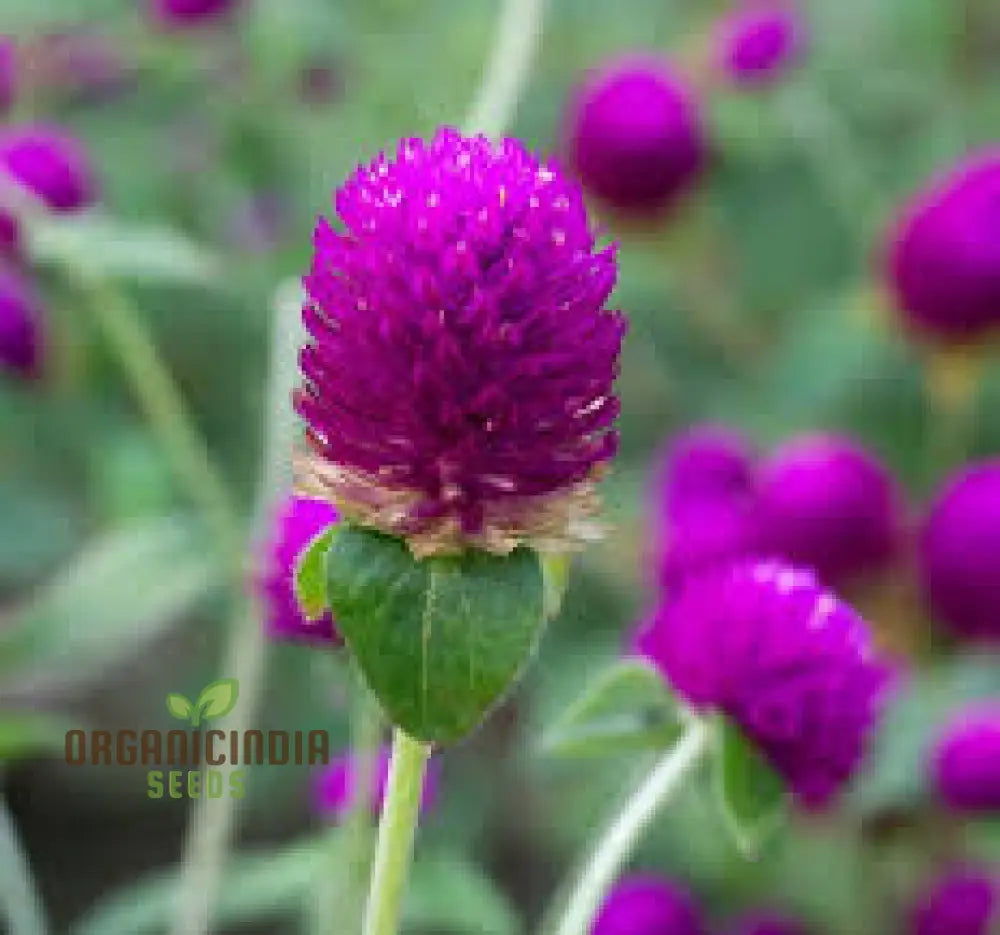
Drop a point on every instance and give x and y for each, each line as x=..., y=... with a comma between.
x=216, y=700
x=629, y=709
x=439, y=640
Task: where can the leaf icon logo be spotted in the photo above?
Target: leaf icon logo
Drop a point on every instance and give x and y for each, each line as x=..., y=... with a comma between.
x=216, y=700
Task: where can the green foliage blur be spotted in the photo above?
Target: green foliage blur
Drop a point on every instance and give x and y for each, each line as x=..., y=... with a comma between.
x=758, y=302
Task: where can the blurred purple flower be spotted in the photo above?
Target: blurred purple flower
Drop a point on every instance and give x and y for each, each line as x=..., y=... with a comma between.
x=706, y=461
x=647, y=905
x=335, y=786
x=944, y=261
x=182, y=14
x=960, y=552
x=299, y=521
x=789, y=662
x=8, y=72
x=759, y=41
x=768, y=923
x=50, y=163
x=961, y=902
x=459, y=382
x=966, y=761
x=826, y=503
x=21, y=325
x=635, y=135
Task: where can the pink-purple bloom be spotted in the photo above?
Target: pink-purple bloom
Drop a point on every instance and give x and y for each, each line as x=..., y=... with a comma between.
x=50, y=163
x=789, y=662
x=459, y=379
x=8, y=72
x=21, y=325
x=299, y=521
x=648, y=905
x=966, y=761
x=635, y=135
x=768, y=923
x=826, y=503
x=961, y=902
x=759, y=41
x=705, y=462
x=183, y=14
x=944, y=261
x=960, y=552
x=335, y=785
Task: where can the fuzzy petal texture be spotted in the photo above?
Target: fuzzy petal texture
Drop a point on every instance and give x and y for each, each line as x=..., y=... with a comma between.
x=961, y=902
x=51, y=164
x=790, y=663
x=966, y=761
x=21, y=325
x=459, y=377
x=647, y=905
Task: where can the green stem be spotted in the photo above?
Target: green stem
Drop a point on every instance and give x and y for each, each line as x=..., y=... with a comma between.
x=19, y=898
x=396, y=832
x=619, y=839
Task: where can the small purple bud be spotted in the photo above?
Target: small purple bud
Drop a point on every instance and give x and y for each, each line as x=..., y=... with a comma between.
x=185, y=14
x=962, y=902
x=21, y=324
x=827, y=504
x=8, y=73
x=50, y=163
x=758, y=42
x=960, y=552
x=635, y=135
x=647, y=905
x=966, y=762
x=299, y=521
x=944, y=261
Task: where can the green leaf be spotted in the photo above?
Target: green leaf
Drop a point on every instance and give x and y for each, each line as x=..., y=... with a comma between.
x=440, y=640
x=217, y=699
x=626, y=709
x=179, y=706
x=751, y=794
x=310, y=575
x=30, y=734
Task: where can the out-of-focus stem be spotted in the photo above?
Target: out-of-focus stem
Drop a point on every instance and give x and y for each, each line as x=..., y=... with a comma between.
x=19, y=898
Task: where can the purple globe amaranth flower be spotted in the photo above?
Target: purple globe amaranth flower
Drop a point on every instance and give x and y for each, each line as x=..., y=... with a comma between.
x=791, y=664
x=944, y=260
x=8, y=72
x=705, y=462
x=635, y=135
x=759, y=41
x=182, y=14
x=961, y=902
x=826, y=503
x=299, y=521
x=459, y=382
x=21, y=325
x=768, y=923
x=960, y=552
x=50, y=163
x=647, y=905
x=335, y=786
x=966, y=761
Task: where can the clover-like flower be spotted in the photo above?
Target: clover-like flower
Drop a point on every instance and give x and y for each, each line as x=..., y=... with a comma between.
x=966, y=761
x=791, y=664
x=459, y=379
x=21, y=325
x=51, y=164
x=759, y=41
x=648, y=905
x=960, y=902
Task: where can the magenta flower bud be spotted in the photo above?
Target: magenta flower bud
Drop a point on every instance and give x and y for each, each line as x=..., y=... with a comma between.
x=966, y=761
x=768, y=923
x=635, y=136
x=759, y=41
x=646, y=905
x=705, y=462
x=21, y=325
x=8, y=72
x=49, y=163
x=789, y=662
x=960, y=552
x=962, y=902
x=299, y=521
x=827, y=504
x=944, y=262
x=184, y=14
x=459, y=382
x=335, y=786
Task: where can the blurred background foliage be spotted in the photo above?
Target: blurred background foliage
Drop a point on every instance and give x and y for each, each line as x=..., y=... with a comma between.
x=757, y=303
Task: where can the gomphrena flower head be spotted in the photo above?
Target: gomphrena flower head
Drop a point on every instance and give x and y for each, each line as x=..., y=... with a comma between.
x=705, y=462
x=826, y=503
x=182, y=14
x=966, y=761
x=21, y=325
x=459, y=381
x=8, y=72
x=299, y=521
x=336, y=785
x=759, y=41
x=944, y=259
x=791, y=664
x=49, y=163
x=647, y=905
x=960, y=552
x=961, y=902
x=635, y=135
x=768, y=923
